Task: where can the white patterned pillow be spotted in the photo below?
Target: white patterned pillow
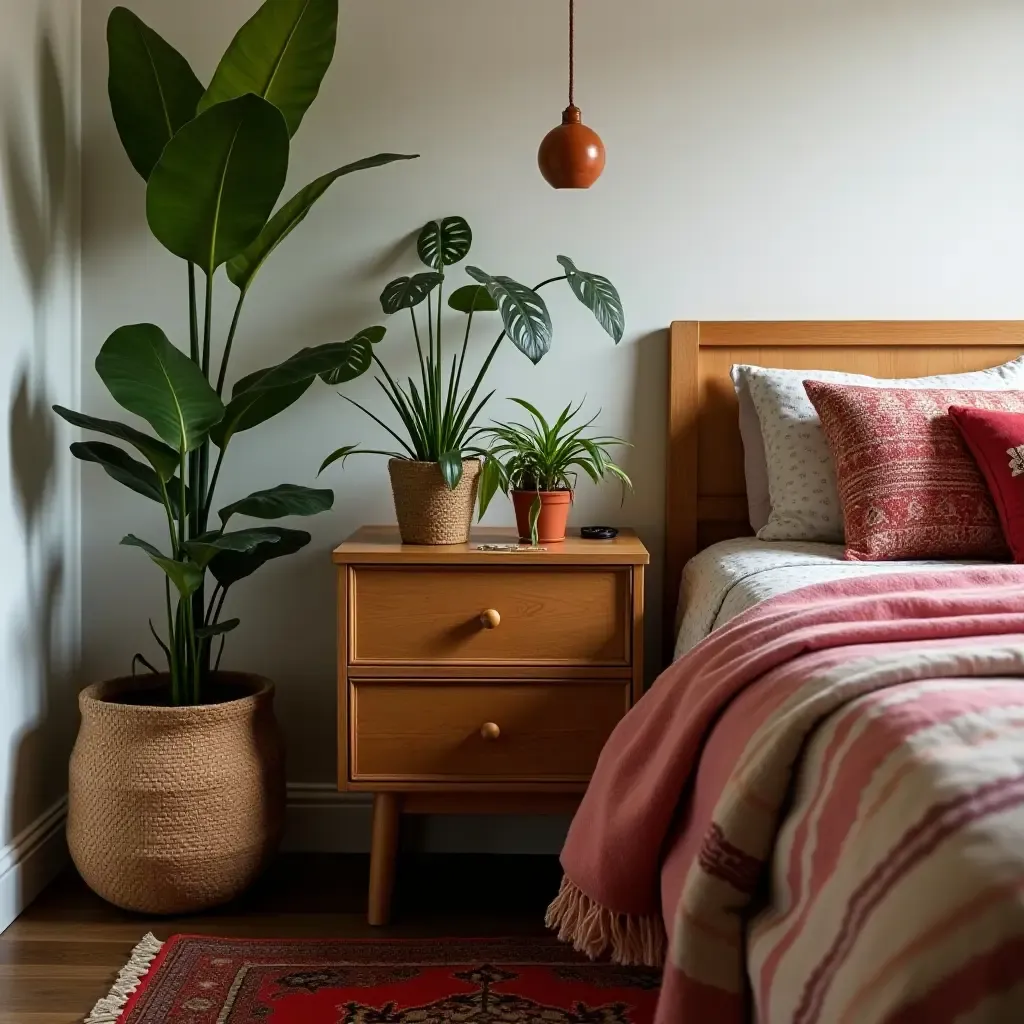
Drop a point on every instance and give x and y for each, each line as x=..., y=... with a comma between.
x=801, y=476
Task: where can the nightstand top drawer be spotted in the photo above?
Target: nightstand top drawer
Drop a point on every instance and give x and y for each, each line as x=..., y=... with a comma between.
x=472, y=732
x=505, y=615
x=382, y=545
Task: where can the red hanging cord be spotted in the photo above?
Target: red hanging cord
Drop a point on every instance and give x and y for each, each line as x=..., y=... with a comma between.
x=572, y=53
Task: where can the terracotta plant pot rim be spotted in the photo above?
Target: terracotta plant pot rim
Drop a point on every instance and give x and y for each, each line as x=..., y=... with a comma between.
x=105, y=693
x=550, y=495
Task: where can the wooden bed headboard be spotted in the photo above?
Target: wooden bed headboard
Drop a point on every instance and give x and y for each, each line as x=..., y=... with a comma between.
x=705, y=491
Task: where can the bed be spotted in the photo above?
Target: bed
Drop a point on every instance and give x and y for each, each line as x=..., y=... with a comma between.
x=732, y=576
x=705, y=487
x=817, y=812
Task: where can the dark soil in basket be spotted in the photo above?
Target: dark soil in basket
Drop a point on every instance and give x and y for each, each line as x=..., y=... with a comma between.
x=150, y=696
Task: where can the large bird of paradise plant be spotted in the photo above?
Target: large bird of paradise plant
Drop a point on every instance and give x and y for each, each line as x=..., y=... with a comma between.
x=214, y=159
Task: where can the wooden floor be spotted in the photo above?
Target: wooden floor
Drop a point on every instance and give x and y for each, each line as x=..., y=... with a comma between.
x=62, y=955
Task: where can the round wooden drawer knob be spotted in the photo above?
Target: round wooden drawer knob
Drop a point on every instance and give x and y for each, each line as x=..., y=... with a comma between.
x=490, y=619
x=490, y=730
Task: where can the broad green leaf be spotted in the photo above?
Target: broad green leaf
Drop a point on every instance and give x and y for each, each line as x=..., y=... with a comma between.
x=148, y=376
x=186, y=577
x=599, y=295
x=136, y=476
x=251, y=408
x=307, y=363
x=263, y=394
x=283, y=500
x=339, y=455
x=490, y=480
x=444, y=242
x=205, y=632
x=281, y=54
x=451, y=468
x=244, y=267
x=472, y=298
x=131, y=541
x=153, y=91
x=164, y=459
x=523, y=312
x=204, y=548
x=228, y=567
x=407, y=292
x=360, y=359
x=217, y=181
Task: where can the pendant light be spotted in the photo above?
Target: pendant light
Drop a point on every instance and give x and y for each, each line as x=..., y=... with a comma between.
x=571, y=155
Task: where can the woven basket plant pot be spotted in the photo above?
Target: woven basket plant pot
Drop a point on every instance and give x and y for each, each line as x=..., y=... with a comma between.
x=429, y=513
x=175, y=809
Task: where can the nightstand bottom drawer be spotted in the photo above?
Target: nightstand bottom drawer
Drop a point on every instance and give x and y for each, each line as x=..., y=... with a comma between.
x=472, y=732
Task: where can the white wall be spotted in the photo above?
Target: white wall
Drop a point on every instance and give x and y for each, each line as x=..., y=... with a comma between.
x=39, y=365
x=767, y=159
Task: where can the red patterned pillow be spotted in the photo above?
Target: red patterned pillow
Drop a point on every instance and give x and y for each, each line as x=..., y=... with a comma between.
x=908, y=485
x=996, y=440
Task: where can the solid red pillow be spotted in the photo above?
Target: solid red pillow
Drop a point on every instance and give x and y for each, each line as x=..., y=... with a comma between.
x=908, y=485
x=996, y=440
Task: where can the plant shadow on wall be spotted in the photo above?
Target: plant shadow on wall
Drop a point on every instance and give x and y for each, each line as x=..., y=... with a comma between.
x=188, y=742
x=35, y=168
x=435, y=470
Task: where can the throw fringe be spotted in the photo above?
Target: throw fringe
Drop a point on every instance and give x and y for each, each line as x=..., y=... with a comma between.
x=108, y=1010
x=593, y=929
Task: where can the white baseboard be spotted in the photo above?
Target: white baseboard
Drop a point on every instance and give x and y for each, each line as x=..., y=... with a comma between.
x=31, y=861
x=322, y=820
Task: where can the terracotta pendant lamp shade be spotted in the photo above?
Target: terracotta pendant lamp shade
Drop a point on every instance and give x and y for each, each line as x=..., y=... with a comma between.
x=571, y=155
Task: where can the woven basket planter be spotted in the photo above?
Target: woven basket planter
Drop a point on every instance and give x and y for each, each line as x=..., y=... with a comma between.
x=429, y=513
x=173, y=810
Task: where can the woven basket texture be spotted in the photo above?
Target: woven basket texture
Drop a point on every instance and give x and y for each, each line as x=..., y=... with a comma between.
x=173, y=810
x=429, y=513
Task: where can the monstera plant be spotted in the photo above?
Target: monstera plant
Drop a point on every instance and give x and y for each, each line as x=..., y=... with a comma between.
x=435, y=469
x=214, y=158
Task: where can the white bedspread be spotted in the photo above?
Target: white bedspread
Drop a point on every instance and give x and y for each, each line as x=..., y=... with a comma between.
x=734, y=575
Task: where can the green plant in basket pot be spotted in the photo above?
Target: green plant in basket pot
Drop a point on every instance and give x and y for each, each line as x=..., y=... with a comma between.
x=436, y=467
x=176, y=783
x=538, y=464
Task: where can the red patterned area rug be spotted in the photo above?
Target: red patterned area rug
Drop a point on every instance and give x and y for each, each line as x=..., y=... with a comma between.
x=202, y=980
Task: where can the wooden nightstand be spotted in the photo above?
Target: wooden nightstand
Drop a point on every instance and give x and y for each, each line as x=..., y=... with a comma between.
x=479, y=681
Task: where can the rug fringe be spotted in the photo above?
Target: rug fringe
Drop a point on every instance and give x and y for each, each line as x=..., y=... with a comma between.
x=108, y=1010
x=593, y=929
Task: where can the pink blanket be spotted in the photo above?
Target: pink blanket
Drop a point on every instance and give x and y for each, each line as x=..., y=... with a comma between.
x=822, y=807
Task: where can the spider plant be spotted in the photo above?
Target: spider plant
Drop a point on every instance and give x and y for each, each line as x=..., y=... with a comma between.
x=438, y=415
x=539, y=457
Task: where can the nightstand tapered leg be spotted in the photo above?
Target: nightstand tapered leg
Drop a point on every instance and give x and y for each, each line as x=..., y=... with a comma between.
x=383, y=855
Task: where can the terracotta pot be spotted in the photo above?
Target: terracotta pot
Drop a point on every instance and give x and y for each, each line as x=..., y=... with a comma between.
x=554, y=514
x=429, y=513
x=175, y=809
